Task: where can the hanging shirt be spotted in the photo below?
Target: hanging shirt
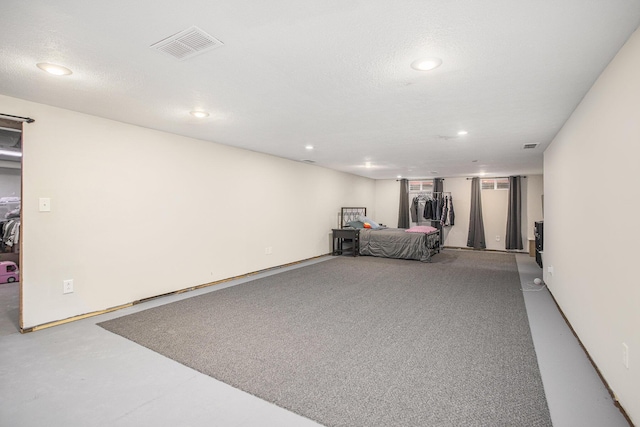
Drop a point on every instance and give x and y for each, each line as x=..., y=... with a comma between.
x=428, y=210
x=444, y=216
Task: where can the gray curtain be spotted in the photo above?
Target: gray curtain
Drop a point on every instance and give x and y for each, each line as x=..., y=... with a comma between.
x=476, y=225
x=403, y=212
x=514, y=213
x=438, y=185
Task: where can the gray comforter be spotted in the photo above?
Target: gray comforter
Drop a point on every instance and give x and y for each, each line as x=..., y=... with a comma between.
x=395, y=243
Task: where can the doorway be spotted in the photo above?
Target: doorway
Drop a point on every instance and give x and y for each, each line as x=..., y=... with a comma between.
x=10, y=224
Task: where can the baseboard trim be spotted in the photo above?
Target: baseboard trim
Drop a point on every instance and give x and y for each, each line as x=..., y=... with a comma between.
x=506, y=251
x=179, y=291
x=73, y=318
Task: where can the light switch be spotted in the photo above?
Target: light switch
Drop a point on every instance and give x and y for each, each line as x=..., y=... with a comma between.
x=45, y=204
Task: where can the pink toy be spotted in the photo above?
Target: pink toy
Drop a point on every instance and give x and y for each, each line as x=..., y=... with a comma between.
x=9, y=272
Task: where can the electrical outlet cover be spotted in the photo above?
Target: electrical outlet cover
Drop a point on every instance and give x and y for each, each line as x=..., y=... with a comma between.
x=67, y=286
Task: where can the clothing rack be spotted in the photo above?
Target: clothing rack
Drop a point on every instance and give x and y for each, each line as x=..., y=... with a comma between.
x=443, y=194
x=418, y=179
x=424, y=194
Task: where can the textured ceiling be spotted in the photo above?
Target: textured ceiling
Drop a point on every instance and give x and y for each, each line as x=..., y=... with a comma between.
x=333, y=74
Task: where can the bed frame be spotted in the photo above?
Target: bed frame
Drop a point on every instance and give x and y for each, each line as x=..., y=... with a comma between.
x=432, y=240
x=350, y=214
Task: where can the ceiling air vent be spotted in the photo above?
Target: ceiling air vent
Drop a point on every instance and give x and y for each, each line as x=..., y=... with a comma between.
x=188, y=43
x=529, y=146
x=309, y=161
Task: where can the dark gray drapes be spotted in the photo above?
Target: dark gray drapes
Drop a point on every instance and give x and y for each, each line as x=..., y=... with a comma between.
x=438, y=186
x=403, y=212
x=514, y=213
x=476, y=225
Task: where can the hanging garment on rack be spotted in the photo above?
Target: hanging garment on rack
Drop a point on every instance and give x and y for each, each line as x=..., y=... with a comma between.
x=10, y=235
x=438, y=209
x=414, y=209
x=452, y=215
x=419, y=206
x=428, y=209
x=444, y=216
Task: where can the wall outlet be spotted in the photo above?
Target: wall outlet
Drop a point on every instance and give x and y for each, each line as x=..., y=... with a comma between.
x=550, y=270
x=497, y=238
x=268, y=250
x=67, y=286
x=44, y=204
x=625, y=355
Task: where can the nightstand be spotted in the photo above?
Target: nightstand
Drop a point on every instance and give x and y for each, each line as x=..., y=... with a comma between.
x=348, y=234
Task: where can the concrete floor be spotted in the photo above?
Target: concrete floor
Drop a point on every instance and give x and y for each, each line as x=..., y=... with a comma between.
x=78, y=374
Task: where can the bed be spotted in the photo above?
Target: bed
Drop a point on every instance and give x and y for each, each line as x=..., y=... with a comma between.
x=419, y=244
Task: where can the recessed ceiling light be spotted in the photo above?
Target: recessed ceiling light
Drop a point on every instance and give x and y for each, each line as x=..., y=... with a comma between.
x=426, y=64
x=199, y=114
x=57, y=70
x=367, y=164
x=309, y=147
x=399, y=176
x=462, y=132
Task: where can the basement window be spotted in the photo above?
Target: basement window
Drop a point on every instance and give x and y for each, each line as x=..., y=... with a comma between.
x=495, y=184
x=420, y=186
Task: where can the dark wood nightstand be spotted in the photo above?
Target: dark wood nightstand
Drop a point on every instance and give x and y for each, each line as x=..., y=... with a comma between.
x=340, y=235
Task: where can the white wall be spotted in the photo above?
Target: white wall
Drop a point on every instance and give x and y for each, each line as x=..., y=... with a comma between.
x=9, y=186
x=460, y=189
x=10, y=181
x=591, y=201
x=387, y=202
x=535, y=190
x=138, y=213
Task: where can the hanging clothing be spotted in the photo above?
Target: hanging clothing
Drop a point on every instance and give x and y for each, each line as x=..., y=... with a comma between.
x=10, y=235
x=428, y=209
x=452, y=215
x=444, y=217
x=414, y=209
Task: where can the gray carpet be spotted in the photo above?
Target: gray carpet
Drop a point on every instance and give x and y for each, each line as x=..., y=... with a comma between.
x=366, y=341
x=9, y=308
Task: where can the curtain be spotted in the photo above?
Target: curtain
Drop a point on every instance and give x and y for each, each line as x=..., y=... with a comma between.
x=403, y=212
x=514, y=214
x=438, y=186
x=476, y=225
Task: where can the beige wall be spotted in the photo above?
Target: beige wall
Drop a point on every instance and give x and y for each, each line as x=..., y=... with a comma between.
x=591, y=201
x=387, y=202
x=535, y=190
x=10, y=181
x=460, y=189
x=136, y=213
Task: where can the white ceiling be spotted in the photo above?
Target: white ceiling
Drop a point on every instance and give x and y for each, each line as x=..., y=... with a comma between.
x=332, y=73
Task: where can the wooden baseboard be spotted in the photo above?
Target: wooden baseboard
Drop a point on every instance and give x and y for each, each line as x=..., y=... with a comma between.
x=180, y=291
x=506, y=251
x=73, y=318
